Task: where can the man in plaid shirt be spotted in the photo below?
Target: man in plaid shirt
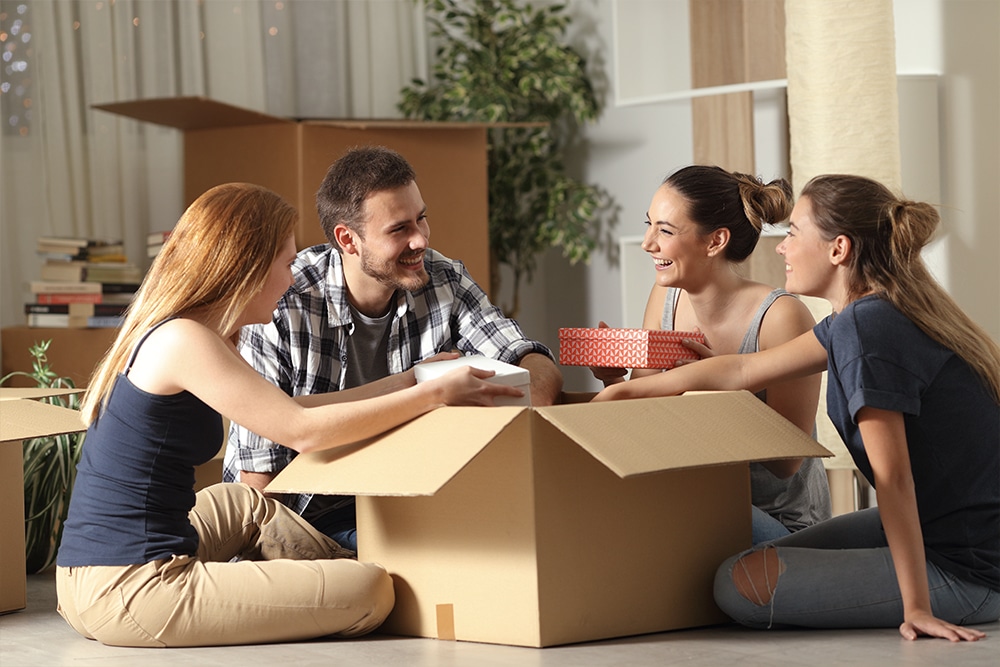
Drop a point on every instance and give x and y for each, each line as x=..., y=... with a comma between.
x=366, y=308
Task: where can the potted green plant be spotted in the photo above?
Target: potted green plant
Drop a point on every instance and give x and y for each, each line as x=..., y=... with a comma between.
x=504, y=62
x=49, y=469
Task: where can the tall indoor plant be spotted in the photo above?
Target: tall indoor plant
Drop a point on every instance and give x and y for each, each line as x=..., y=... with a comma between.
x=504, y=61
x=49, y=469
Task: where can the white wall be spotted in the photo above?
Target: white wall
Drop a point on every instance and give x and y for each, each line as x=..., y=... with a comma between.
x=628, y=152
x=631, y=148
x=970, y=155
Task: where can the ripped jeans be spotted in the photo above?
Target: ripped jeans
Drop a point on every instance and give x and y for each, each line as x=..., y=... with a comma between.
x=839, y=574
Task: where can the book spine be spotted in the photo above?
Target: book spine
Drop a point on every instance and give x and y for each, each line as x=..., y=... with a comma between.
x=118, y=288
x=76, y=309
x=67, y=321
x=63, y=241
x=55, y=298
x=64, y=287
x=122, y=298
x=59, y=256
x=62, y=271
x=158, y=238
x=109, y=310
x=48, y=320
x=105, y=322
x=103, y=274
x=60, y=308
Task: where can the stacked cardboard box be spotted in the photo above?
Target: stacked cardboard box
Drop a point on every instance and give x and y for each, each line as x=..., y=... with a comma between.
x=21, y=419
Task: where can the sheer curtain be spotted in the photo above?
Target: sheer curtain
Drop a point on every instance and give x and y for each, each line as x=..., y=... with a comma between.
x=82, y=172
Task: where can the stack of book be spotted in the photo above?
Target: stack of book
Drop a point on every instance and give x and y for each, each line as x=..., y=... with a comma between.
x=84, y=283
x=74, y=315
x=155, y=241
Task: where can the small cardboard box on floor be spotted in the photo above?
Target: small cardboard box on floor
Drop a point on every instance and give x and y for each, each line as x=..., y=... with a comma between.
x=554, y=525
x=22, y=419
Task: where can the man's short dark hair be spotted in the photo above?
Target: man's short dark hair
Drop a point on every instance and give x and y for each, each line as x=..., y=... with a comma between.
x=350, y=180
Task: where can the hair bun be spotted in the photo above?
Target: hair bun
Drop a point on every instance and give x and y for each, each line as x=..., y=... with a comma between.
x=768, y=203
x=912, y=226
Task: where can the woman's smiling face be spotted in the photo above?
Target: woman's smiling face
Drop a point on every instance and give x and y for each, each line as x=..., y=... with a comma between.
x=672, y=239
x=808, y=269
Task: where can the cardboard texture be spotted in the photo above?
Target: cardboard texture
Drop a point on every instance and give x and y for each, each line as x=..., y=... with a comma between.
x=560, y=524
x=225, y=143
x=22, y=419
x=73, y=353
x=624, y=348
x=506, y=374
x=19, y=393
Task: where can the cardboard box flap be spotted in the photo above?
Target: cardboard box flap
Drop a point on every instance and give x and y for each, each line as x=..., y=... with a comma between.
x=199, y=113
x=405, y=124
x=189, y=113
x=648, y=435
x=22, y=420
x=18, y=393
x=415, y=459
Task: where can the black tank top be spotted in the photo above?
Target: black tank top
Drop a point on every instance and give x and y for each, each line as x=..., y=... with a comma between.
x=135, y=480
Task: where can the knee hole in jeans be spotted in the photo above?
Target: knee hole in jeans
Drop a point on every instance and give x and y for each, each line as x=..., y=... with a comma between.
x=755, y=575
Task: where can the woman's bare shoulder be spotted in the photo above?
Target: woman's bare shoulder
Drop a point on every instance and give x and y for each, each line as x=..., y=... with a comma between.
x=787, y=318
x=181, y=333
x=172, y=350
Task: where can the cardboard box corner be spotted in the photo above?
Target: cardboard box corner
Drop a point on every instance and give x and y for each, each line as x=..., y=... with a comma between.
x=22, y=418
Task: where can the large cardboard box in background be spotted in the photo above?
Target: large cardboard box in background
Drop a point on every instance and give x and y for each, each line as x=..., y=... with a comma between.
x=225, y=143
x=555, y=525
x=22, y=419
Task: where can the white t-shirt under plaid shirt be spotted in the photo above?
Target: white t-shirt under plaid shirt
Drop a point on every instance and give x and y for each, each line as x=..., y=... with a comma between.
x=304, y=348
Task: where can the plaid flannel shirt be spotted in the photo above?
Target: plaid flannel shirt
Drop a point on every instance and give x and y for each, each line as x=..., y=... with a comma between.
x=304, y=348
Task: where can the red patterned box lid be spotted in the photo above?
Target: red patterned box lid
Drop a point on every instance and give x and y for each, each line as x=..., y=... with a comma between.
x=624, y=348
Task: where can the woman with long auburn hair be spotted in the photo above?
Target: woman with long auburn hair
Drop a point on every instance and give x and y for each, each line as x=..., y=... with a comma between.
x=146, y=561
x=914, y=390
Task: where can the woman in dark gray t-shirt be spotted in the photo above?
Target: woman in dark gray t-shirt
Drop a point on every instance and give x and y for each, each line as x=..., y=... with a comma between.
x=914, y=390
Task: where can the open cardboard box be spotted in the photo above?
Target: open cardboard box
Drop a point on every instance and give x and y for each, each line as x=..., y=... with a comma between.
x=22, y=419
x=554, y=525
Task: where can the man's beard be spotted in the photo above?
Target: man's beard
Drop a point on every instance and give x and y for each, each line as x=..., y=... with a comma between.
x=389, y=274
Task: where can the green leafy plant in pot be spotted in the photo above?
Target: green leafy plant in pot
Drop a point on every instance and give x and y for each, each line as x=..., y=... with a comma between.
x=49, y=469
x=500, y=61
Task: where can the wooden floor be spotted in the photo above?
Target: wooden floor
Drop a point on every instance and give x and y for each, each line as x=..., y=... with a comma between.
x=38, y=637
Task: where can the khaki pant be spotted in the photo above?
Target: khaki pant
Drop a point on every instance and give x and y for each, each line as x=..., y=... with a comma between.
x=292, y=583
